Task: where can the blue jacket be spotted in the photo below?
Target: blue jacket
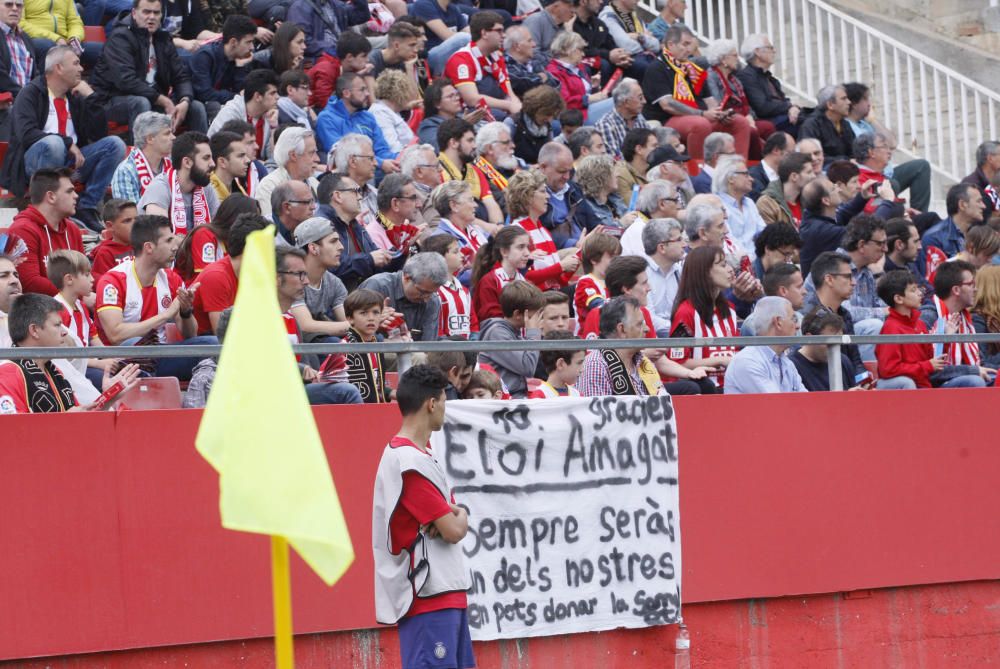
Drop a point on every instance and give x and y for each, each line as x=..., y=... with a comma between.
x=309, y=15
x=214, y=77
x=701, y=182
x=335, y=121
x=945, y=236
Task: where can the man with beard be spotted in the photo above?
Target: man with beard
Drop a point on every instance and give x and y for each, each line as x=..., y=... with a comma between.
x=10, y=287
x=348, y=113
x=180, y=193
x=496, y=158
x=458, y=142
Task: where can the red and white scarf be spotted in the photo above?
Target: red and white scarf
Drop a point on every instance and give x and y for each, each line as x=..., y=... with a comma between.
x=143, y=169
x=178, y=212
x=964, y=353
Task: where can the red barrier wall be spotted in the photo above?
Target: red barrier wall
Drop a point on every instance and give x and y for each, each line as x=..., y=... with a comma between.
x=112, y=537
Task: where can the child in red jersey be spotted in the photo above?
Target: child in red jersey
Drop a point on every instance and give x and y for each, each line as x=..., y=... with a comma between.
x=118, y=215
x=457, y=317
x=498, y=262
x=598, y=251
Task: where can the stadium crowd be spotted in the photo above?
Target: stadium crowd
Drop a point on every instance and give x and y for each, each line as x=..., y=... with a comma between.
x=508, y=171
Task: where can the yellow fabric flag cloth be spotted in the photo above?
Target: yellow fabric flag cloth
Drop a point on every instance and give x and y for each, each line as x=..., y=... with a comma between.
x=259, y=433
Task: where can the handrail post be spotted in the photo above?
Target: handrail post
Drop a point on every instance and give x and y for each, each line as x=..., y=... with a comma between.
x=403, y=362
x=833, y=367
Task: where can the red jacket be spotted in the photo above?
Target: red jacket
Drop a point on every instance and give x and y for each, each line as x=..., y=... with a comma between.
x=40, y=239
x=912, y=360
x=571, y=85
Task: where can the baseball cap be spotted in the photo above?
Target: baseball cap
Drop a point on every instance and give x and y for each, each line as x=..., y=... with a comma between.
x=312, y=230
x=662, y=154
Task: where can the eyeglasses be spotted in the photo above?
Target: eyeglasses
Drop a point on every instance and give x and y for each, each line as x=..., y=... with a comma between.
x=494, y=30
x=676, y=198
x=356, y=191
x=742, y=172
x=308, y=203
x=427, y=165
x=301, y=275
x=363, y=155
x=413, y=197
x=679, y=240
x=422, y=292
x=14, y=5
x=970, y=282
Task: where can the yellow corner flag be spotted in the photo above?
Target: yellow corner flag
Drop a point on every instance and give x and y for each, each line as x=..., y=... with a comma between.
x=259, y=433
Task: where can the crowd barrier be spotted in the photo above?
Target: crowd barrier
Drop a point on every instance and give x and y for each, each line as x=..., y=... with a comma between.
x=112, y=538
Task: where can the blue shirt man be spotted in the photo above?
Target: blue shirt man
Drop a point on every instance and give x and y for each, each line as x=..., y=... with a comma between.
x=347, y=113
x=766, y=369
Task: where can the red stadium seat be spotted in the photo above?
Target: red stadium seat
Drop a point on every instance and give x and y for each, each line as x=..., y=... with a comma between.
x=93, y=34
x=533, y=385
x=152, y=393
x=392, y=379
x=872, y=367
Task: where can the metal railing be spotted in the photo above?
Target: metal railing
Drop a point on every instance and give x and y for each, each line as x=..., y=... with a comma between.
x=832, y=342
x=936, y=112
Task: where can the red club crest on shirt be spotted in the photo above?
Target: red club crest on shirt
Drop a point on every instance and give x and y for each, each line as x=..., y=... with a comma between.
x=165, y=302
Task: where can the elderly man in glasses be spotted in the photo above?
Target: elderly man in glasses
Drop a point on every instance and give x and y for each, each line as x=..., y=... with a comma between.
x=18, y=61
x=412, y=291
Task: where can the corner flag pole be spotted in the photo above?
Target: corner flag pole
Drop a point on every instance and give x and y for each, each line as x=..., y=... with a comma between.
x=282, y=591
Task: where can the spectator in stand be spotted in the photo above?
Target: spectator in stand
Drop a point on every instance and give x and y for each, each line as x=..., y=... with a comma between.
x=966, y=208
x=777, y=146
x=555, y=313
x=479, y=71
x=291, y=204
x=814, y=149
x=413, y=291
x=419, y=162
x=249, y=182
x=258, y=106
x=987, y=166
x=366, y=372
x=10, y=288
x=954, y=296
x=527, y=201
x=777, y=247
x=829, y=125
x=150, y=157
x=353, y=156
x=291, y=270
x=912, y=366
x=981, y=245
x=904, y=252
x=521, y=305
x=495, y=158
x=525, y=66
x=498, y=262
x=136, y=299
x=57, y=23
x=913, y=175
x=140, y=70
x=985, y=314
x=115, y=245
x=732, y=183
x=35, y=385
x=320, y=316
x=833, y=283
x=845, y=176
x=663, y=243
x=293, y=100
x=57, y=122
x=19, y=62
x=579, y=86
x=762, y=89
x=442, y=103
x=780, y=202
x=821, y=230
x=705, y=224
x=457, y=366
x=717, y=145
x=44, y=226
x=401, y=53
x=599, y=44
x=725, y=87
x=597, y=253
x=324, y=23
x=669, y=164
x=671, y=13
x=629, y=101
x=340, y=197
x=584, y=142
x=348, y=114
x=701, y=310
x=684, y=103
x=811, y=359
x=657, y=199
x=631, y=35
x=457, y=141
x=296, y=155
x=483, y=385
x=218, y=282
x=624, y=371
x=631, y=171
x=353, y=50
x=70, y=272
x=457, y=208
x=601, y=205
x=287, y=52
x=531, y=128
x=229, y=153
x=206, y=244
x=562, y=369
x=766, y=369
x=182, y=192
x=457, y=320
x=395, y=93
x=445, y=21
x=785, y=280
x=218, y=69
x=392, y=228
x=544, y=25
x=563, y=216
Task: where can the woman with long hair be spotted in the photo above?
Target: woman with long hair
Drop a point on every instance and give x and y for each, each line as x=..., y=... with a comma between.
x=531, y=128
x=498, y=262
x=207, y=243
x=527, y=200
x=287, y=52
x=986, y=312
x=596, y=178
x=724, y=62
x=701, y=310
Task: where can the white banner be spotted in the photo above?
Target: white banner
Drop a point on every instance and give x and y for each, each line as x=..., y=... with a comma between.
x=573, y=512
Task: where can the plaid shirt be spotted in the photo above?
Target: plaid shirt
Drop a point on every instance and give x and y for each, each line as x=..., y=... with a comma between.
x=595, y=380
x=125, y=180
x=20, y=59
x=613, y=129
x=865, y=302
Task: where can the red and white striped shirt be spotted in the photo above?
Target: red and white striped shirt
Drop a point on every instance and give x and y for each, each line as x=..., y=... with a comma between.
x=545, y=272
x=457, y=316
x=959, y=353
x=687, y=323
x=590, y=292
x=546, y=390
